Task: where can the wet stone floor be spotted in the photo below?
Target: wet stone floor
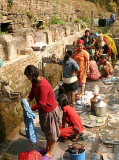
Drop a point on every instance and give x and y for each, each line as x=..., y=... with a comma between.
x=99, y=139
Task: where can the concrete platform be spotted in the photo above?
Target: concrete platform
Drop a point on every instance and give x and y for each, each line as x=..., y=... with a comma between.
x=92, y=139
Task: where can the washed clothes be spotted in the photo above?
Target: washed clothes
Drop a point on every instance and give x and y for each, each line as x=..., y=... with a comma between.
x=28, y=120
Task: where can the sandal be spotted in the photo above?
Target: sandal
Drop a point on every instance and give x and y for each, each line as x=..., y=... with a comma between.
x=45, y=157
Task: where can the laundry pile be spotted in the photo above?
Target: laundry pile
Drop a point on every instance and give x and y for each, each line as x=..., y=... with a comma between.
x=85, y=99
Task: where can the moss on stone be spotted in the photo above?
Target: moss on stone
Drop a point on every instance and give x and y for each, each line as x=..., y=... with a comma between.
x=53, y=73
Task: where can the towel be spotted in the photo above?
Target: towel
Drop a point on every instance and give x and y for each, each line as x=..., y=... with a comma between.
x=31, y=133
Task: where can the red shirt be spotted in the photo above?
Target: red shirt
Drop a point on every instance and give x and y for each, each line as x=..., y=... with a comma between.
x=44, y=97
x=72, y=118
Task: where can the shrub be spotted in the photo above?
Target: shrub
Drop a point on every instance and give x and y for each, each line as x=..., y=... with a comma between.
x=2, y=33
x=29, y=14
x=10, y=3
x=55, y=20
x=77, y=20
x=112, y=7
x=43, y=26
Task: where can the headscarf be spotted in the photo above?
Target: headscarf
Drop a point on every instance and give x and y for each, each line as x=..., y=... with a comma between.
x=81, y=41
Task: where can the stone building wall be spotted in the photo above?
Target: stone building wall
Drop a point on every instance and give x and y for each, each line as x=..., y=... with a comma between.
x=13, y=71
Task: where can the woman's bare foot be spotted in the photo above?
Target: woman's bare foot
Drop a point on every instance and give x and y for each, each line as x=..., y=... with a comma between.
x=79, y=95
x=76, y=136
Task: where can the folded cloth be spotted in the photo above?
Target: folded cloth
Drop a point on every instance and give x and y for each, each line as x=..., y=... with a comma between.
x=31, y=133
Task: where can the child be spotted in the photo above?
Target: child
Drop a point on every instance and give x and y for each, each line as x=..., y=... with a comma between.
x=99, y=63
x=70, y=67
x=97, y=54
x=70, y=117
x=93, y=74
x=106, y=69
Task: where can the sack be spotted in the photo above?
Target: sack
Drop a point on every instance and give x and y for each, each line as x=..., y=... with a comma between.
x=30, y=155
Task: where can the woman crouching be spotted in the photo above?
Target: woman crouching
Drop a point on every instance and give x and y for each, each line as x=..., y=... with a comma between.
x=70, y=117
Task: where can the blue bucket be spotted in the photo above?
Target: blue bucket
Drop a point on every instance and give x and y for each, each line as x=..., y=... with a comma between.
x=78, y=156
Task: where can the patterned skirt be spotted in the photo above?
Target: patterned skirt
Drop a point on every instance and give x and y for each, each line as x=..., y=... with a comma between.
x=50, y=124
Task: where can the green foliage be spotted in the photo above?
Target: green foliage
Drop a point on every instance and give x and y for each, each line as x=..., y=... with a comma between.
x=104, y=30
x=109, y=4
x=112, y=7
x=59, y=21
x=10, y=3
x=43, y=26
x=85, y=19
x=29, y=14
x=77, y=20
x=83, y=25
x=2, y=33
x=35, y=18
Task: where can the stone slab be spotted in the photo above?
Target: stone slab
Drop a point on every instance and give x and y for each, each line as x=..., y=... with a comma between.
x=116, y=149
x=109, y=136
x=88, y=136
x=94, y=156
x=92, y=122
x=109, y=156
x=113, y=120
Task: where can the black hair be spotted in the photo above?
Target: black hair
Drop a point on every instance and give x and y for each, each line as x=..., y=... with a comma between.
x=87, y=31
x=31, y=69
x=103, y=56
x=66, y=57
x=91, y=57
x=69, y=53
x=63, y=100
x=97, y=48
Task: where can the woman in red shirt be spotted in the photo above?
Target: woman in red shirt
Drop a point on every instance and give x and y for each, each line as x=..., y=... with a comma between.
x=47, y=107
x=70, y=117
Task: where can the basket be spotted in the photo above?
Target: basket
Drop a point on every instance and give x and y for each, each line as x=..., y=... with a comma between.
x=30, y=155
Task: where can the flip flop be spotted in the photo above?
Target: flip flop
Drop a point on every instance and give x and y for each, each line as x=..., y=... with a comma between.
x=42, y=151
x=45, y=157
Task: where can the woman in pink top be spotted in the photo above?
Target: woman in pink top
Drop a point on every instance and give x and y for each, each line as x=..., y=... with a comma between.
x=93, y=74
x=49, y=113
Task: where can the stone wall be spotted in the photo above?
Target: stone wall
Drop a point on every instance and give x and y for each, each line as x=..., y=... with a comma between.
x=31, y=13
x=13, y=71
x=45, y=9
x=3, y=5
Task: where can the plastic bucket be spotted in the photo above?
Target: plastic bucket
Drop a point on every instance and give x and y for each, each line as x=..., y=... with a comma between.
x=78, y=156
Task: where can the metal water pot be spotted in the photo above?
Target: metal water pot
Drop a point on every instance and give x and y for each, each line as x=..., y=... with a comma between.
x=100, y=108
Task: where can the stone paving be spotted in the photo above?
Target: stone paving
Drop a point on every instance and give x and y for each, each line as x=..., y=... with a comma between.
x=103, y=138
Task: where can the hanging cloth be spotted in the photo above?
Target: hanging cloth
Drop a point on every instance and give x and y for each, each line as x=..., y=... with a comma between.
x=102, y=22
x=28, y=120
x=113, y=47
x=109, y=48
